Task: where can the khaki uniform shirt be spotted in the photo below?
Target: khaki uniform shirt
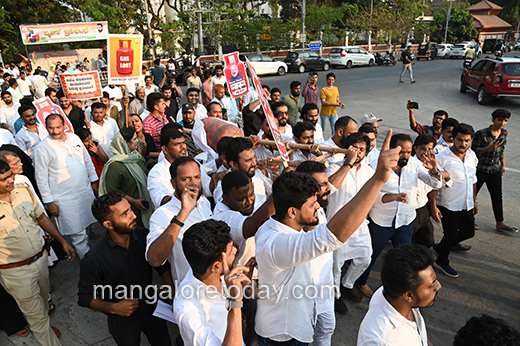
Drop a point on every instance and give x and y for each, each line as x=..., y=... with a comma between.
x=20, y=236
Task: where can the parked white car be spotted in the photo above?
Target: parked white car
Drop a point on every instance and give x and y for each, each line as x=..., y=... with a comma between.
x=443, y=50
x=350, y=56
x=517, y=45
x=459, y=49
x=264, y=64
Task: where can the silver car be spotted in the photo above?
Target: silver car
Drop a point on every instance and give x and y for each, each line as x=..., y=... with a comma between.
x=443, y=50
x=349, y=56
x=459, y=50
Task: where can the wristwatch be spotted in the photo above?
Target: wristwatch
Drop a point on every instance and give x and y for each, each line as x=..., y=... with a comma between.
x=435, y=175
x=347, y=163
x=176, y=221
x=230, y=304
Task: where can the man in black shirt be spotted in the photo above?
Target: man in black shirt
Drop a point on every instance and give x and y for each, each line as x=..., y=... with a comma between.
x=407, y=63
x=119, y=261
x=172, y=107
x=74, y=113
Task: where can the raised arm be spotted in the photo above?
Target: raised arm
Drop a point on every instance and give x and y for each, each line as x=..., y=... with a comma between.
x=348, y=219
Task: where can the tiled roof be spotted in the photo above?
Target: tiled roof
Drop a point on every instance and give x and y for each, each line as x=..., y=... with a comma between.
x=484, y=5
x=485, y=22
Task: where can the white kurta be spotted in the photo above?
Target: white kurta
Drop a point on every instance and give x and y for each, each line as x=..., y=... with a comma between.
x=104, y=134
x=359, y=244
x=28, y=139
x=64, y=172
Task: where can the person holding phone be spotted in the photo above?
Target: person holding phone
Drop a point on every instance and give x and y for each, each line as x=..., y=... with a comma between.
x=310, y=90
x=126, y=171
x=438, y=117
x=489, y=145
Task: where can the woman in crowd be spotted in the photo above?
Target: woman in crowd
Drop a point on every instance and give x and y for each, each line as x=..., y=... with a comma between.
x=146, y=144
x=126, y=171
x=97, y=154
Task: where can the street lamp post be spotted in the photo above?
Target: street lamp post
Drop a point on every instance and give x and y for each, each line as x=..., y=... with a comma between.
x=303, y=26
x=370, y=29
x=447, y=21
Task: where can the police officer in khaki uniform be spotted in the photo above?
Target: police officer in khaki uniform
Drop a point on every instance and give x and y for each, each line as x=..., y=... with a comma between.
x=23, y=258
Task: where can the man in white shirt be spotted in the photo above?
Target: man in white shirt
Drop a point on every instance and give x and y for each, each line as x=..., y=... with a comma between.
x=343, y=127
x=446, y=138
x=208, y=304
x=238, y=211
x=456, y=206
x=67, y=181
x=160, y=188
x=14, y=90
x=284, y=252
x=303, y=133
x=373, y=152
x=149, y=87
x=164, y=242
x=226, y=102
x=281, y=112
x=218, y=78
x=6, y=137
x=311, y=112
x=192, y=96
x=31, y=132
x=409, y=283
x=8, y=112
x=321, y=267
x=115, y=94
x=103, y=131
x=348, y=180
x=137, y=106
x=25, y=85
x=393, y=212
x=240, y=156
x=39, y=83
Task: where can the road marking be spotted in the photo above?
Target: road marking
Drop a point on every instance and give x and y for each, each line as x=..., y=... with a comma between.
x=512, y=170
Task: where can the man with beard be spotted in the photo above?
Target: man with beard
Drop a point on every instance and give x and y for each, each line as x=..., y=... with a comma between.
x=409, y=283
x=393, y=212
x=345, y=126
x=173, y=145
x=283, y=252
x=31, y=132
x=240, y=156
x=321, y=267
x=8, y=112
x=435, y=130
x=118, y=261
x=188, y=116
x=74, y=113
x=137, y=106
x=281, y=112
x=372, y=152
x=293, y=101
x=311, y=112
x=172, y=107
x=52, y=94
x=446, y=138
x=192, y=96
x=456, y=207
x=304, y=134
x=169, y=222
x=348, y=180
x=238, y=211
x=276, y=95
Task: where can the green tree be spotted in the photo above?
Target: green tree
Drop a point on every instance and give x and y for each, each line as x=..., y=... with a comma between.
x=460, y=27
x=397, y=19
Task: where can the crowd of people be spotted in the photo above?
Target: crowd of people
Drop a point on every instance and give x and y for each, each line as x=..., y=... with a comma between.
x=239, y=238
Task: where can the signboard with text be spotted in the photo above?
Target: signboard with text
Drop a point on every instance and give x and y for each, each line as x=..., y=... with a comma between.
x=236, y=77
x=125, y=56
x=277, y=136
x=64, y=32
x=81, y=86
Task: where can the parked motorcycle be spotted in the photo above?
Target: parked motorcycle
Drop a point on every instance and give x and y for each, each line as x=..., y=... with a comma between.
x=389, y=59
x=499, y=53
x=467, y=63
x=379, y=58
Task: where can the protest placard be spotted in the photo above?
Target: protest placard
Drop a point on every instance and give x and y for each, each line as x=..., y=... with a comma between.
x=45, y=106
x=236, y=76
x=81, y=86
x=125, y=56
x=64, y=32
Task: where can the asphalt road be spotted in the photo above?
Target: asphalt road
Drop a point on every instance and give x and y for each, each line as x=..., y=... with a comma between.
x=489, y=275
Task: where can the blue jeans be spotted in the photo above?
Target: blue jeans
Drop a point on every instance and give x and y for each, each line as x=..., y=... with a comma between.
x=331, y=119
x=264, y=342
x=380, y=237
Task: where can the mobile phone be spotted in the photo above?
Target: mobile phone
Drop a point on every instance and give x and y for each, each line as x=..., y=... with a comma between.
x=146, y=204
x=500, y=140
x=414, y=105
x=311, y=74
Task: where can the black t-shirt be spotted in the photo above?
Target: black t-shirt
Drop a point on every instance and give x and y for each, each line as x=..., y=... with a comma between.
x=405, y=54
x=76, y=117
x=172, y=110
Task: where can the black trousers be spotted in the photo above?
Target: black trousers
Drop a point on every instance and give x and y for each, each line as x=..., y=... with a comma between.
x=11, y=317
x=457, y=227
x=494, y=185
x=422, y=227
x=126, y=331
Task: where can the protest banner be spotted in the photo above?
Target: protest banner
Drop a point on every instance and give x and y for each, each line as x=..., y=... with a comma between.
x=125, y=56
x=45, y=106
x=277, y=136
x=81, y=86
x=64, y=32
x=236, y=76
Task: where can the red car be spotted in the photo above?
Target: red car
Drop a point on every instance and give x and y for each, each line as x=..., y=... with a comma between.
x=492, y=78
